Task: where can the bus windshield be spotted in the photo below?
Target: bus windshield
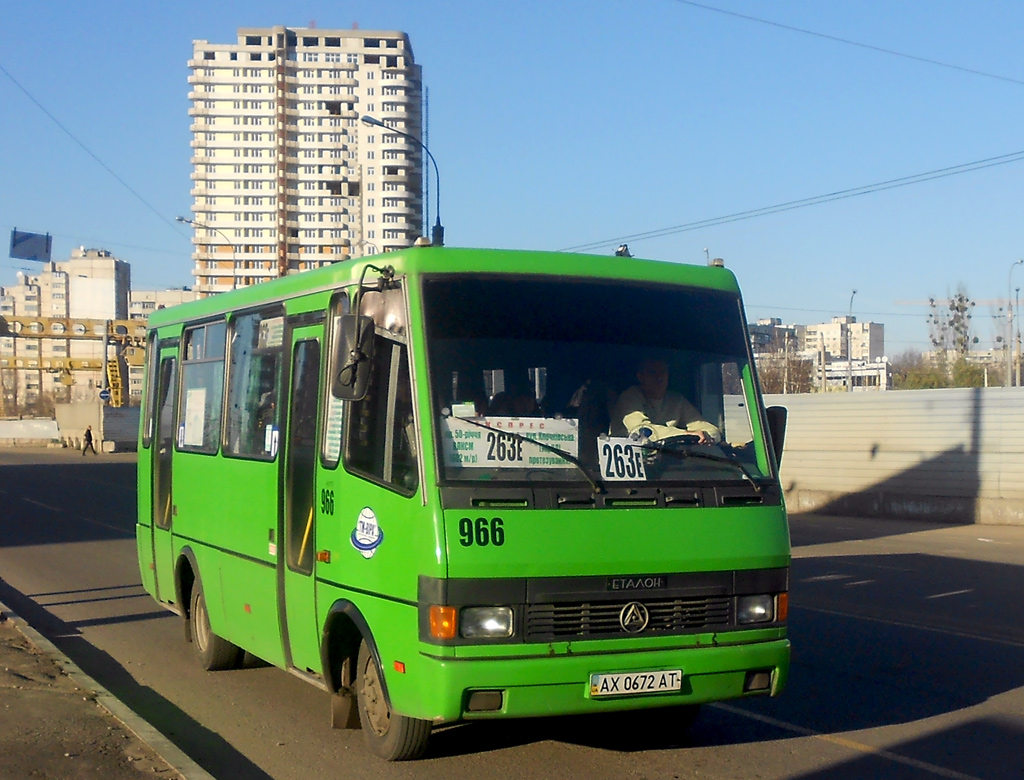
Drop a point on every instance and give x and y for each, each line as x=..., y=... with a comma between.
x=561, y=379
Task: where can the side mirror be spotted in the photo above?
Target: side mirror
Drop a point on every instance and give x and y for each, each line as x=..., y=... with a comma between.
x=353, y=358
x=777, y=416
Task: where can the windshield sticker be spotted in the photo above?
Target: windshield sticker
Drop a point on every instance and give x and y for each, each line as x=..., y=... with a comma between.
x=271, y=333
x=367, y=536
x=620, y=459
x=509, y=442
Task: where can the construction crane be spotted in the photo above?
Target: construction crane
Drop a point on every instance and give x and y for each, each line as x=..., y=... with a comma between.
x=129, y=336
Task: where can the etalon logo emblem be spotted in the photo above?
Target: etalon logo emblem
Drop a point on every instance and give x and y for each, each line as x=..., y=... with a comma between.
x=633, y=617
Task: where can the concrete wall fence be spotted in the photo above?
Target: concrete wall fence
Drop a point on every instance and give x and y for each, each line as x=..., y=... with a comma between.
x=954, y=455
x=28, y=433
x=114, y=429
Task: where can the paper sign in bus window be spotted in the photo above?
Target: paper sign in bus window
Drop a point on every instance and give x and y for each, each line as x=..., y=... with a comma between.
x=195, y=416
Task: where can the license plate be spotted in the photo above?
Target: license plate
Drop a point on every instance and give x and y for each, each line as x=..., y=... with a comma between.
x=636, y=683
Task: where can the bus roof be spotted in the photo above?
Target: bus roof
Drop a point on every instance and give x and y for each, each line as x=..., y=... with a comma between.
x=418, y=261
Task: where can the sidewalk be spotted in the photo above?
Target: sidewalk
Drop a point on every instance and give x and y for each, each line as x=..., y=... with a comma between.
x=58, y=724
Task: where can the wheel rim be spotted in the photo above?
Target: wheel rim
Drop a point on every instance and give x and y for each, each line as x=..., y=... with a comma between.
x=201, y=624
x=372, y=698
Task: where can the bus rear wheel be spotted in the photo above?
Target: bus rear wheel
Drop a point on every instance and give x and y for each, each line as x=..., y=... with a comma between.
x=214, y=653
x=388, y=735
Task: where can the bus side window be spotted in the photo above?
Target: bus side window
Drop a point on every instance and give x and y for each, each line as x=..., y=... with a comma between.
x=203, y=387
x=254, y=378
x=380, y=441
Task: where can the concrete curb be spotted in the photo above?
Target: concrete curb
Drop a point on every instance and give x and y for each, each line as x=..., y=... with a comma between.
x=174, y=756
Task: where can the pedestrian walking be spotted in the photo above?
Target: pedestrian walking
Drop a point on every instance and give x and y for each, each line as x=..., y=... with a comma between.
x=88, y=441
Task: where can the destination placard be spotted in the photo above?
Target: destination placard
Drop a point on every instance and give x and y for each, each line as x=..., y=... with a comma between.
x=508, y=442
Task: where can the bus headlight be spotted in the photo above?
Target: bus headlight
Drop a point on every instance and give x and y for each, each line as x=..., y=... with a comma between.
x=485, y=622
x=755, y=609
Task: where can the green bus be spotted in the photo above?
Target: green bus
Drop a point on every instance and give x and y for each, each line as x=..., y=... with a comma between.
x=415, y=481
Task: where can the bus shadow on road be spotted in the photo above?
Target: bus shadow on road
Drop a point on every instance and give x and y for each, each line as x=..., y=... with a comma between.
x=626, y=732
x=206, y=747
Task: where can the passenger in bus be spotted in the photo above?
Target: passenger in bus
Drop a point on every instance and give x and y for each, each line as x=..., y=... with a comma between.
x=591, y=405
x=650, y=409
x=514, y=401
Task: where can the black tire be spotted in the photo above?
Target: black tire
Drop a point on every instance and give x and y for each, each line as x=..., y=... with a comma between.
x=213, y=652
x=387, y=735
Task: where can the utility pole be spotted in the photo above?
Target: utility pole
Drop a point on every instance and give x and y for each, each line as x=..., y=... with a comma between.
x=849, y=346
x=785, y=370
x=824, y=380
x=1009, y=324
x=1016, y=360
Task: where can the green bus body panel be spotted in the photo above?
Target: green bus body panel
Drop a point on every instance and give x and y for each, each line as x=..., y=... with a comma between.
x=422, y=261
x=572, y=542
x=227, y=511
x=410, y=546
x=555, y=685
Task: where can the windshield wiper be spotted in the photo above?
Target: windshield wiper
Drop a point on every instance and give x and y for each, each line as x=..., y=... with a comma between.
x=597, y=486
x=683, y=454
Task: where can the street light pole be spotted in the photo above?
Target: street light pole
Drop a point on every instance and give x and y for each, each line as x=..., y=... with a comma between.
x=437, y=232
x=849, y=346
x=1009, y=324
x=234, y=264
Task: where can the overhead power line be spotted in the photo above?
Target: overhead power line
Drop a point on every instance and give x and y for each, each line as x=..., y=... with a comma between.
x=86, y=149
x=867, y=189
x=848, y=42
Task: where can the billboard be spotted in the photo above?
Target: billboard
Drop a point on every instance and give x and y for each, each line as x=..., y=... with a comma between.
x=30, y=246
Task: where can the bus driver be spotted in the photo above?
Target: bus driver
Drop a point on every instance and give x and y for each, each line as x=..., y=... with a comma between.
x=664, y=413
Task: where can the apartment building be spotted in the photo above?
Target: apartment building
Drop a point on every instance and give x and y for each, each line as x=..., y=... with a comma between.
x=844, y=337
x=841, y=354
x=142, y=303
x=285, y=175
x=91, y=284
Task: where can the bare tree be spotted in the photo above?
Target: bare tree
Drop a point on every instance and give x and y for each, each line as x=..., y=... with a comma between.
x=949, y=323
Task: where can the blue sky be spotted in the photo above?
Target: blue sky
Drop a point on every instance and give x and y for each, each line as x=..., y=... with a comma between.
x=573, y=123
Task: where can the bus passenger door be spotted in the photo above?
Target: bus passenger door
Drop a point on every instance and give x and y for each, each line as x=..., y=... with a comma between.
x=298, y=506
x=163, y=452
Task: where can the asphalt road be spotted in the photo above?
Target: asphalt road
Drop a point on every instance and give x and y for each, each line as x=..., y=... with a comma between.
x=908, y=658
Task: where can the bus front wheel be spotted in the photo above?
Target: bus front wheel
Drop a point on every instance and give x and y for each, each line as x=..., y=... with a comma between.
x=214, y=653
x=388, y=735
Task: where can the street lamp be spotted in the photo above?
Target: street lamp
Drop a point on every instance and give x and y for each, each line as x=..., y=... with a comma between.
x=437, y=232
x=234, y=269
x=1009, y=324
x=849, y=346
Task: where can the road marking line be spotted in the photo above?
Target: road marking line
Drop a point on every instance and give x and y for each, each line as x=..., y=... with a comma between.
x=38, y=503
x=106, y=525
x=903, y=624
x=951, y=593
x=860, y=747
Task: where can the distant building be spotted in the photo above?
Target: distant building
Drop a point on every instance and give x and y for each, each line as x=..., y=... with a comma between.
x=285, y=175
x=142, y=303
x=92, y=284
x=841, y=351
x=864, y=340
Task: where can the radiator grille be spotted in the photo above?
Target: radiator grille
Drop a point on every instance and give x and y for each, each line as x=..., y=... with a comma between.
x=600, y=619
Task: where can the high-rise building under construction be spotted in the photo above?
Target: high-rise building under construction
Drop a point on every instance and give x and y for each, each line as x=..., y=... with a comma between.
x=285, y=175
